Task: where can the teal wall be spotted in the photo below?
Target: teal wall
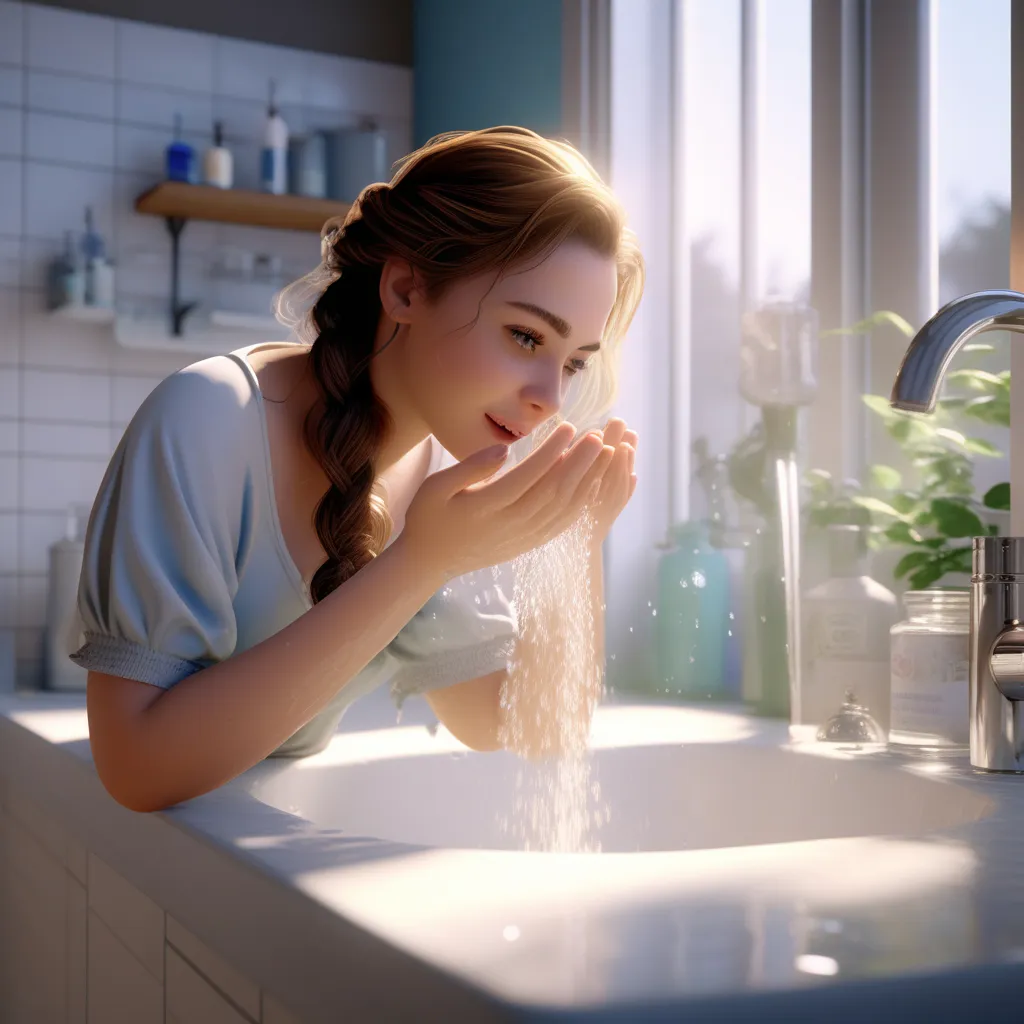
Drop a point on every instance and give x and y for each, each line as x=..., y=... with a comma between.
x=478, y=63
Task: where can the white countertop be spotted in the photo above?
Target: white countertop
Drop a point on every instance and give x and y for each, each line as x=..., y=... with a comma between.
x=804, y=928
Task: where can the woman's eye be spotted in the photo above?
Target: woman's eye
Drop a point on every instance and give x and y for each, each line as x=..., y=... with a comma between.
x=527, y=339
x=575, y=366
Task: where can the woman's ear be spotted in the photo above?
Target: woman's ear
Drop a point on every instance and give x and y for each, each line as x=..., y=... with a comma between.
x=399, y=290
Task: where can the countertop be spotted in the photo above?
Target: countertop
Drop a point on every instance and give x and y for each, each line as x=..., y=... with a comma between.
x=895, y=927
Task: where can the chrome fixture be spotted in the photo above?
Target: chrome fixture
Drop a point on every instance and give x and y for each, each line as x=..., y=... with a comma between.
x=997, y=580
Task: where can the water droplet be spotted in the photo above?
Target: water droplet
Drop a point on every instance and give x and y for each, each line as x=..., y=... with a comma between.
x=698, y=579
x=631, y=629
x=654, y=611
x=731, y=616
x=764, y=618
x=730, y=632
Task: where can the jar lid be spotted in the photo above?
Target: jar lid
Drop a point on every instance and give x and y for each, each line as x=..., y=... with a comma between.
x=852, y=723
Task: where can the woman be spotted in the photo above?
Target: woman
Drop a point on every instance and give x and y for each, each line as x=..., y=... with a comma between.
x=274, y=535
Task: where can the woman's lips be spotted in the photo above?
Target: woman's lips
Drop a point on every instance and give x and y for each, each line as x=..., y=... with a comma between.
x=500, y=432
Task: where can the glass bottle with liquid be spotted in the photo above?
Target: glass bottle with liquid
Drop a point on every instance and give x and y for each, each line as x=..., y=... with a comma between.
x=930, y=670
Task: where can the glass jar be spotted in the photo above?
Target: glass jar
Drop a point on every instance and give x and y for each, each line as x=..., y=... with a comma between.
x=930, y=658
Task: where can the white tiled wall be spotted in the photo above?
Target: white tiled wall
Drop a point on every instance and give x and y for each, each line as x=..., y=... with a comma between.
x=86, y=109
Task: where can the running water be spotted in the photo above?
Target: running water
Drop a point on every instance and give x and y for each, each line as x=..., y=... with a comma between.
x=556, y=801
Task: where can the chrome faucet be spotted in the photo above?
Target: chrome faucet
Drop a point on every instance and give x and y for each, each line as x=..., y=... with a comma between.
x=997, y=579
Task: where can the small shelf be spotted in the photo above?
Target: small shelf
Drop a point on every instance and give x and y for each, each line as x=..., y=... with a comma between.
x=85, y=314
x=238, y=206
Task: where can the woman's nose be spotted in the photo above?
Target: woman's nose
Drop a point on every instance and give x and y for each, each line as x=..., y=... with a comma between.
x=545, y=393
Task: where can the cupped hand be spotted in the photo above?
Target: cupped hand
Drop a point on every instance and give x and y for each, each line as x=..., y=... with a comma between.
x=619, y=482
x=460, y=520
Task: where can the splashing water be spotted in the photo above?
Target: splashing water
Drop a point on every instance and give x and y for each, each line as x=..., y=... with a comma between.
x=556, y=802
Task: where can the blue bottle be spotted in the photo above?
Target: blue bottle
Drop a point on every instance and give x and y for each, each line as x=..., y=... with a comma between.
x=181, y=157
x=693, y=622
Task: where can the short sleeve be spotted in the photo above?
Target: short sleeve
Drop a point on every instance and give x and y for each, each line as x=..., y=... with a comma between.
x=467, y=629
x=167, y=532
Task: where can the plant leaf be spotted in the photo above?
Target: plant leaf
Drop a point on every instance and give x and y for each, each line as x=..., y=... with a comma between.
x=951, y=435
x=998, y=497
x=955, y=519
x=927, y=575
x=883, y=316
x=902, y=533
x=885, y=477
x=981, y=447
x=876, y=505
x=910, y=561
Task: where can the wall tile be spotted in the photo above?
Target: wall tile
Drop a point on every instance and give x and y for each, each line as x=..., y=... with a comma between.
x=11, y=131
x=49, y=340
x=54, y=484
x=244, y=69
x=156, y=108
x=10, y=270
x=10, y=437
x=8, y=542
x=8, y=601
x=345, y=83
x=31, y=602
x=66, y=397
x=70, y=94
x=120, y=988
x=66, y=439
x=11, y=81
x=129, y=913
x=11, y=190
x=155, y=55
x=67, y=41
x=28, y=645
x=41, y=824
x=127, y=394
x=10, y=392
x=231, y=982
x=38, y=531
x=10, y=487
x=56, y=198
x=69, y=140
x=10, y=332
x=12, y=32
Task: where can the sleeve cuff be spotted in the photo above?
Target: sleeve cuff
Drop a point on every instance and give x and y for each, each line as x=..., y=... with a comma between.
x=450, y=668
x=119, y=657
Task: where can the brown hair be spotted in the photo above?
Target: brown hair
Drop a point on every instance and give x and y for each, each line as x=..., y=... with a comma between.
x=463, y=204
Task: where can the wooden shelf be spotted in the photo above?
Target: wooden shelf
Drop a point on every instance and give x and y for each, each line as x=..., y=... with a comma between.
x=238, y=206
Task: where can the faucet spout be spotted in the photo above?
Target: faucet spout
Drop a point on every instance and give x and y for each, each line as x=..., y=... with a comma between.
x=919, y=380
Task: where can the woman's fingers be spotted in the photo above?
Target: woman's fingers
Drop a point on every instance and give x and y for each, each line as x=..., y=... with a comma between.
x=614, y=432
x=518, y=480
x=559, y=484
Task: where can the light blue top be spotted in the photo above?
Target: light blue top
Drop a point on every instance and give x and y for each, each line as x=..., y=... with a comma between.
x=185, y=563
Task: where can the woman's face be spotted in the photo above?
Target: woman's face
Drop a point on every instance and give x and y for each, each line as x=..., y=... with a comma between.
x=466, y=376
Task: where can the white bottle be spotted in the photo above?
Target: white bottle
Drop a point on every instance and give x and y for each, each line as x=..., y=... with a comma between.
x=63, y=624
x=846, y=634
x=218, y=165
x=274, y=156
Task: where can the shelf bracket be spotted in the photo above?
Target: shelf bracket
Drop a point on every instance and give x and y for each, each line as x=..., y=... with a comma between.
x=179, y=309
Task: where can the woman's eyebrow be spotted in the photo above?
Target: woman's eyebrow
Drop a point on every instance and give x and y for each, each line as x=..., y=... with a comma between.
x=556, y=323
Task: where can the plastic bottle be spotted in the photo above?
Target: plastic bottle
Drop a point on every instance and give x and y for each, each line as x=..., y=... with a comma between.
x=63, y=624
x=274, y=156
x=846, y=636
x=181, y=158
x=692, y=616
x=65, y=280
x=218, y=164
x=98, y=271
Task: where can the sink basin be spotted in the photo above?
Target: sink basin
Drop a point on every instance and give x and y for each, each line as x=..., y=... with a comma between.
x=669, y=778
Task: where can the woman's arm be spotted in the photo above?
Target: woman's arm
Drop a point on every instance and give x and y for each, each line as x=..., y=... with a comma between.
x=219, y=722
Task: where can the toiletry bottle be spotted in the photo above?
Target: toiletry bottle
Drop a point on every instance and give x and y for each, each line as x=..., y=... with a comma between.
x=218, y=166
x=97, y=269
x=692, y=616
x=63, y=624
x=274, y=157
x=846, y=637
x=65, y=280
x=181, y=159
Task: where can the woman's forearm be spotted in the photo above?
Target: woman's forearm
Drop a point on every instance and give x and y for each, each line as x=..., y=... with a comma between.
x=221, y=721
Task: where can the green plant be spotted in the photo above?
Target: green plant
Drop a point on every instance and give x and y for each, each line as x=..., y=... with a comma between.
x=937, y=516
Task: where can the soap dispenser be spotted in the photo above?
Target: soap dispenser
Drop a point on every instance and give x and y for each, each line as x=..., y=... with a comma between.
x=274, y=156
x=846, y=639
x=98, y=270
x=218, y=166
x=180, y=157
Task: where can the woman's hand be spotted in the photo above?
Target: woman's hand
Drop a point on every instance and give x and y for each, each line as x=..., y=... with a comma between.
x=460, y=521
x=619, y=482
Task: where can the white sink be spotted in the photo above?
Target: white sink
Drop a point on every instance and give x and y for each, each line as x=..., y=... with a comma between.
x=669, y=778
